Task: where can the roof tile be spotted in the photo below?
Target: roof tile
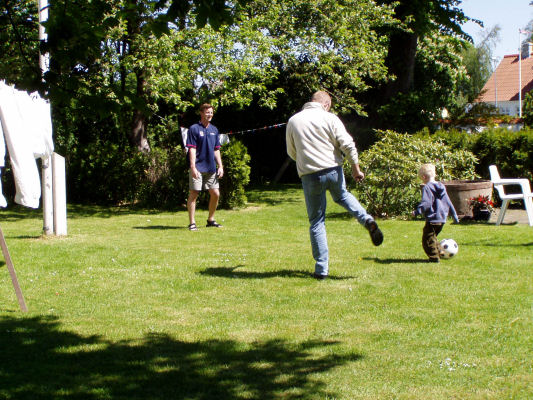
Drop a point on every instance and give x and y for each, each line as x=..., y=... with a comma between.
x=506, y=79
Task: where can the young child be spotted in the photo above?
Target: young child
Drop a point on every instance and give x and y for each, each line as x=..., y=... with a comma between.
x=435, y=206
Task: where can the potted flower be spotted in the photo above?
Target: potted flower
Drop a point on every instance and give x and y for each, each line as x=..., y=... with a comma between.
x=482, y=207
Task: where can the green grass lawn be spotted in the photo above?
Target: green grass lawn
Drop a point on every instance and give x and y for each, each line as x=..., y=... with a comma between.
x=131, y=305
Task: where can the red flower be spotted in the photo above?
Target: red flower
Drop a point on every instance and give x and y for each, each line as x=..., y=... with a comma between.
x=481, y=202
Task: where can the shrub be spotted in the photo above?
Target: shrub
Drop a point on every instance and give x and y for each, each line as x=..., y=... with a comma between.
x=236, y=163
x=103, y=173
x=391, y=186
x=166, y=177
x=165, y=181
x=511, y=151
x=527, y=110
x=455, y=138
x=106, y=173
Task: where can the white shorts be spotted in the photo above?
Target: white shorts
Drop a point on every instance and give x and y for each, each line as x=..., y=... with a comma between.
x=206, y=181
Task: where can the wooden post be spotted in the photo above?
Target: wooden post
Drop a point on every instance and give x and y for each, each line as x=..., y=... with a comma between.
x=11, y=269
x=284, y=166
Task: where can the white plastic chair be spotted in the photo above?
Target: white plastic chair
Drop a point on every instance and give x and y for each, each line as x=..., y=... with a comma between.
x=526, y=194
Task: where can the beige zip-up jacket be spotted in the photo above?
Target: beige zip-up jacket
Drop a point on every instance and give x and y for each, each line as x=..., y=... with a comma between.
x=317, y=140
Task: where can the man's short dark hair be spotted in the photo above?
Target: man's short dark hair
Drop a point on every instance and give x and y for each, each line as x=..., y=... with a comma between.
x=205, y=106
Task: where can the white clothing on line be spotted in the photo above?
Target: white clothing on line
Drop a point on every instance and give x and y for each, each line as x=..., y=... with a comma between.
x=27, y=130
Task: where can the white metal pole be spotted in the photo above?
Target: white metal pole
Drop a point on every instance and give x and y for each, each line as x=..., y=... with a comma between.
x=519, y=75
x=59, y=195
x=495, y=65
x=46, y=162
x=495, y=88
x=43, y=17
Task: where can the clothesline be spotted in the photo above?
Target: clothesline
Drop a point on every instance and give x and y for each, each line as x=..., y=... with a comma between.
x=264, y=128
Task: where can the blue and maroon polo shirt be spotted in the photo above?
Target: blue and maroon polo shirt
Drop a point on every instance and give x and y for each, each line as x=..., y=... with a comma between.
x=205, y=141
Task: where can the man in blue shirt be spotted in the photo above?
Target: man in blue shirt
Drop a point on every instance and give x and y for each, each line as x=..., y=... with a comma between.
x=203, y=143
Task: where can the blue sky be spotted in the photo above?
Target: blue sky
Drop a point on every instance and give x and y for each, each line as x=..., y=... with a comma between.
x=510, y=15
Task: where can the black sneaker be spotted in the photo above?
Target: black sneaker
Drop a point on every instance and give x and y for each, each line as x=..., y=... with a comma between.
x=320, y=277
x=375, y=233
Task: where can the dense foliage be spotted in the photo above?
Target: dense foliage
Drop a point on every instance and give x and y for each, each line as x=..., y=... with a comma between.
x=527, y=109
x=104, y=173
x=511, y=151
x=237, y=175
x=391, y=186
x=19, y=43
x=424, y=64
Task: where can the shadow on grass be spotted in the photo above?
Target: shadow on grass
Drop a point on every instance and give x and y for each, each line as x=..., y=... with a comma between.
x=492, y=243
x=396, y=260
x=339, y=215
x=27, y=237
x=42, y=360
x=160, y=227
x=17, y=212
x=471, y=221
x=230, y=272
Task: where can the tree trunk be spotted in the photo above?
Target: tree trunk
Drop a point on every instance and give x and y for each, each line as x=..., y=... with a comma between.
x=138, y=127
x=401, y=62
x=137, y=134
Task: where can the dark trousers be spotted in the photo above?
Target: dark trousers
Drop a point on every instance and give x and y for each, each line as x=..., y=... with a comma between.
x=429, y=239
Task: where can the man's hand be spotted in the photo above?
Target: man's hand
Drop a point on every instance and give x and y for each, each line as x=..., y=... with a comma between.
x=357, y=174
x=220, y=172
x=195, y=173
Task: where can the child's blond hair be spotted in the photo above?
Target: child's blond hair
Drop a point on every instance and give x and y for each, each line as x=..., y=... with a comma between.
x=426, y=170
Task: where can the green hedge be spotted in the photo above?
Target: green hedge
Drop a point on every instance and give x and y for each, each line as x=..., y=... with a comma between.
x=106, y=173
x=511, y=151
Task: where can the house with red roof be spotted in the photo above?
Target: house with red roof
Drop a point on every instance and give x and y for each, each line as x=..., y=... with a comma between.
x=502, y=88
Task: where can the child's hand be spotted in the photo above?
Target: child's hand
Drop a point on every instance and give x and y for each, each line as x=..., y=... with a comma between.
x=413, y=213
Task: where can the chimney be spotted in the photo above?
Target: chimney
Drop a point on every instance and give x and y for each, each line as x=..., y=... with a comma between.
x=526, y=49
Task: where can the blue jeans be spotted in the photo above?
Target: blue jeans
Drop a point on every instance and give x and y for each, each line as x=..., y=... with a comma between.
x=315, y=186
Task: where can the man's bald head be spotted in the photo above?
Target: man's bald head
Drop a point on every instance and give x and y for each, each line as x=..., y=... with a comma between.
x=323, y=98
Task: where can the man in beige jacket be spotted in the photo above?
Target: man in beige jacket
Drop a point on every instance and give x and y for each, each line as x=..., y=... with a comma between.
x=317, y=140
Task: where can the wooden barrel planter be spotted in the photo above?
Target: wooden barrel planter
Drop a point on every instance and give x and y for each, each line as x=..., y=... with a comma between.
x=460, y=191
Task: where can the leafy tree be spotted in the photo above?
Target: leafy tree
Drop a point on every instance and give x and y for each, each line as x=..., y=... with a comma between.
x=328, y=44
x=438, y=72
x=19, y=43
x=415, y=53
x=477, y=61
x=527, y=110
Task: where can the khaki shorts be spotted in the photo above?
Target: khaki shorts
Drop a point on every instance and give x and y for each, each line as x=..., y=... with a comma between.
x=206, y=181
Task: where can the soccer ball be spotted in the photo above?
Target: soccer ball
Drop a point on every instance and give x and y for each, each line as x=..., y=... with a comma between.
x=449, y=248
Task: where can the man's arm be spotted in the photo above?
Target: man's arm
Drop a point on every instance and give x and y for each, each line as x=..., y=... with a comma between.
x=291, y=149
x=218, y=159
x=192, y=162
x=344, y=141
x=357, y=174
